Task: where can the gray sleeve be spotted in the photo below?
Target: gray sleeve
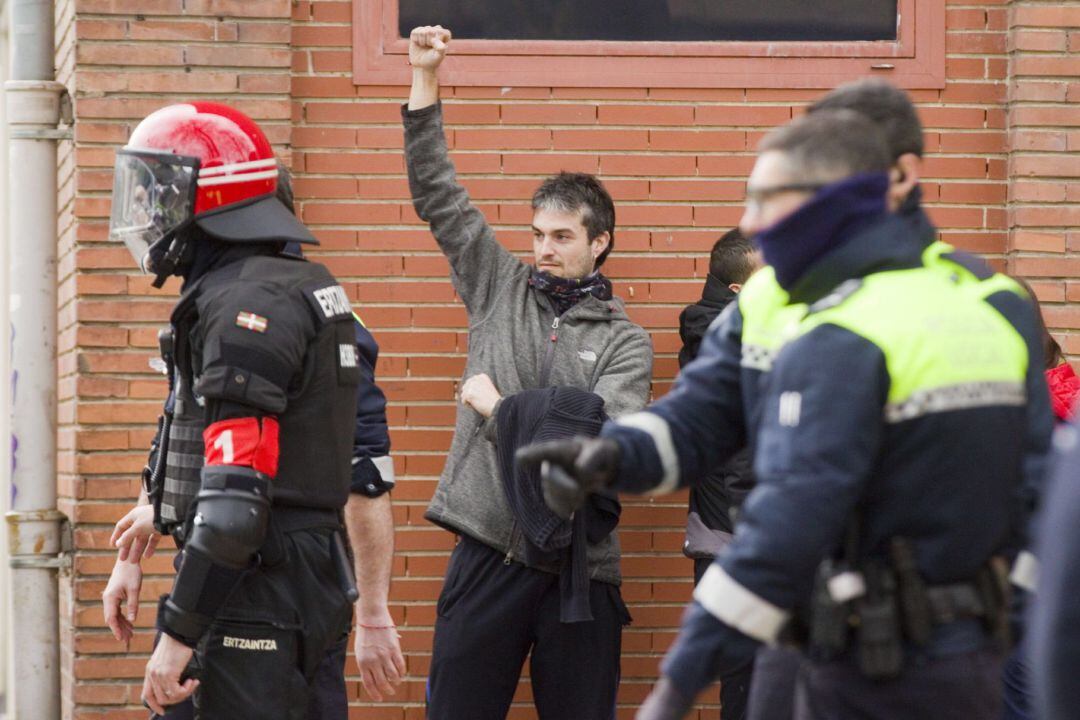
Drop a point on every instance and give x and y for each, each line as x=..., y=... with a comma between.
x=624, y=381
x=477, y=261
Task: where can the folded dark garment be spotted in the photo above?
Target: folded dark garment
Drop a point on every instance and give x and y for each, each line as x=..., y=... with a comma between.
x=537, y=416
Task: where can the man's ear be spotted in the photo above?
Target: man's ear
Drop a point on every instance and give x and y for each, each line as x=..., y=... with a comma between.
x=904, y=176
x=600, y=243
x=735, y=287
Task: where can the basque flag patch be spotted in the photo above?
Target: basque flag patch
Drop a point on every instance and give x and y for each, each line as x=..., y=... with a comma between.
x=251, y=321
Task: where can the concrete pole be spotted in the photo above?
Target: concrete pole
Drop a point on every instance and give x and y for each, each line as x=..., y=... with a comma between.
x=34, y=540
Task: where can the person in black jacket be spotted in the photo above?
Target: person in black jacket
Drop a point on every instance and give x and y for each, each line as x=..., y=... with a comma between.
x=368, y=518
x=252, y=467
x=710, y=522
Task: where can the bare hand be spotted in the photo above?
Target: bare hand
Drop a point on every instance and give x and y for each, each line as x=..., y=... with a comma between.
x=134, y=534
x=378, y=654
x=121, y=599
x=161, y=685
x=480, y=394
x=427, y=47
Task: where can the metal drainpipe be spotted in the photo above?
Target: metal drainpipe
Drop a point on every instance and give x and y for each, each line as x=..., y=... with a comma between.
x=34, y=103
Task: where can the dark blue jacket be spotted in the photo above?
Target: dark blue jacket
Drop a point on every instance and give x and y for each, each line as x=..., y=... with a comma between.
x=711, y=411
x=372, y=468
x=1054, y=627
x=823, y=448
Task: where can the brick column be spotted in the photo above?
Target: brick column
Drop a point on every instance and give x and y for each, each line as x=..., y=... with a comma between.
x=1044, y=168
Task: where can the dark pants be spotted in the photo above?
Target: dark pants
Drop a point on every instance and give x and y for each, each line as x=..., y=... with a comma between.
x=328, y=699
x=956, y=687
x=1017, y=694
x=277, y=647
x=772, y=689
x=735, y=684
x=491, y=615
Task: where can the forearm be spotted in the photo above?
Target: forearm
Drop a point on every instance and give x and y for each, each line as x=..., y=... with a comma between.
x=694, y=428
x=460, y=229
x=234, y=509
x=425, y=89
x=370, y=524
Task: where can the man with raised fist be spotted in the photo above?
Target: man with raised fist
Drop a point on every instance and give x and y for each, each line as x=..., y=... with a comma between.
x=548, y=341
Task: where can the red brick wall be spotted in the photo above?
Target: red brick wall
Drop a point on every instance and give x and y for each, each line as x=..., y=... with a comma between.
x=675, y=161
x=1044, y=137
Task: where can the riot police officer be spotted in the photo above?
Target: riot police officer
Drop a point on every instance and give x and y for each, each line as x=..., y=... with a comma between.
x=254, y=467
x=887, y=451
x=370, y=525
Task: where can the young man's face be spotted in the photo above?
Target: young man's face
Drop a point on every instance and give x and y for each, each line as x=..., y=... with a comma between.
x=561, y=245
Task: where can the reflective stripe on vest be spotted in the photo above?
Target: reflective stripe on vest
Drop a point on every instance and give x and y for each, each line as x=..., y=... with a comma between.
x=766, y=319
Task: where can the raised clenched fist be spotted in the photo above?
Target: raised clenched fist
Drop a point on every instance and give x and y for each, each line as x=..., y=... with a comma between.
x=427, y=46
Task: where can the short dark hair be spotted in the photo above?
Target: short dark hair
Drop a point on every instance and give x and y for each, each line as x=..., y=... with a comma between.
x=886, y=105
x=570, y=192
x=732, y=258
x=829, y=145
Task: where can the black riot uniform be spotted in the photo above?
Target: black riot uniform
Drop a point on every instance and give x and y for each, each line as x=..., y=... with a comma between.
x=253, y=464
x=260, y=339
x=372, y=476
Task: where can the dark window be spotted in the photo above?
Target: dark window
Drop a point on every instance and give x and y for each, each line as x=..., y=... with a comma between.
x=657, y=20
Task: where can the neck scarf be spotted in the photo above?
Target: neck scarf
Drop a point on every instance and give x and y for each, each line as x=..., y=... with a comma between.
x=565, y=293
x=832, y=217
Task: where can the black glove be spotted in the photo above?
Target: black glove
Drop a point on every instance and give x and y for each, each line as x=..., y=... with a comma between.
x=571, y=469
x=664, y=703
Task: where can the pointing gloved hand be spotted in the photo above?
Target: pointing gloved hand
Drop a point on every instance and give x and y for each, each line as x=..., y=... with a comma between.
x=571, y=469
x=665, y=702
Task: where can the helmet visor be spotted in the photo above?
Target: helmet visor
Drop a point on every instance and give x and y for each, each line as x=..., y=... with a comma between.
x=153, y=194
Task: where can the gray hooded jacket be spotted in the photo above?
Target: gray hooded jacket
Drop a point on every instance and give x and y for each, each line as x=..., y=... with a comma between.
x=514, y=337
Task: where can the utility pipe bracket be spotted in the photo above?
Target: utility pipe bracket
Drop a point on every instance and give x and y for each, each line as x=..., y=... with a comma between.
x=35, y=533
x=40, y=134
x=34, y=562
x=34, y=102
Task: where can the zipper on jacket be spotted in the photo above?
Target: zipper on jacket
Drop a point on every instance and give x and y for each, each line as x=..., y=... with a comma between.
x=513, y=541
x=549, y=355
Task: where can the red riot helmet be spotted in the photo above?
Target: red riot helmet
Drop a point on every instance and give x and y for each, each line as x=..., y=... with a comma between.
x=202, y=163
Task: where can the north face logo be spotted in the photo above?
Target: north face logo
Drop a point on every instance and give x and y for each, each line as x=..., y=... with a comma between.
x=240, y=643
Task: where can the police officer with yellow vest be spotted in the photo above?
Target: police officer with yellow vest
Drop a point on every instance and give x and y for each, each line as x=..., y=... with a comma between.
x=890, y=447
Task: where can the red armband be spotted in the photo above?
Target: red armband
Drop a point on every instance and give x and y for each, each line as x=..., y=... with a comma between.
x=245, y=442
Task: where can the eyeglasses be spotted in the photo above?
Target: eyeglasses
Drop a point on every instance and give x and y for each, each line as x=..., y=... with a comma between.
x=756, y=196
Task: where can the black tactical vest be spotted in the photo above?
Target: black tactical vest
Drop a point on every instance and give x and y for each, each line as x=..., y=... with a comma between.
x=274, y=335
